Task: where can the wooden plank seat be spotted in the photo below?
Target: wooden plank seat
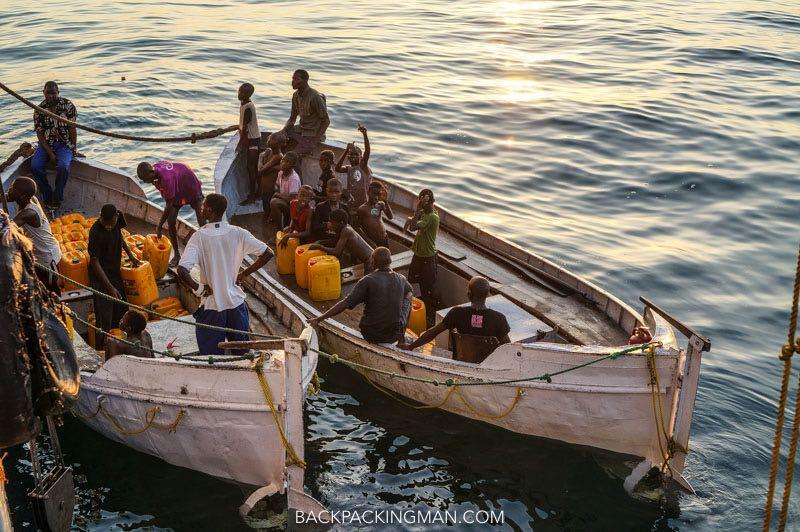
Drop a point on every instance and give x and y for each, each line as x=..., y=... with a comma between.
x=356, y=272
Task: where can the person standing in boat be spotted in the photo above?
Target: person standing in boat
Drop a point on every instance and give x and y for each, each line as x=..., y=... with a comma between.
x=269, y=164
x=386, y=296
x=326, y=162
x=218, y=250
x=322, y=212
x=358, y=173
x=475, y=319
x=57, y=143
x=106, y=245
x=249, y=139
x=179, y=186
x=309, y=105
x=31, y=218
x=425, y=222
x=370, y=214
x=347, y=240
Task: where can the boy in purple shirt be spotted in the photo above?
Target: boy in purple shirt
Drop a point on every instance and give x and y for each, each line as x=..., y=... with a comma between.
x=179, y=186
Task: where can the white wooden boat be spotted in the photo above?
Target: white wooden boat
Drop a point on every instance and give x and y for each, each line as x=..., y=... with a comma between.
x=212, y=418
x=562, y=321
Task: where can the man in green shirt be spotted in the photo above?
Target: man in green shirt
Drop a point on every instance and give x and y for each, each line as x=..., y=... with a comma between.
x=425, y=222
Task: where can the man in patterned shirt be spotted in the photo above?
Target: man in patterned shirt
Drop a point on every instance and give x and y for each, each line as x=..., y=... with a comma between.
x=57, y=143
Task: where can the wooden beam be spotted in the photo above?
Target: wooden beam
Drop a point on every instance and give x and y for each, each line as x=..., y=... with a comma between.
x=687, y=331
x=261, y=344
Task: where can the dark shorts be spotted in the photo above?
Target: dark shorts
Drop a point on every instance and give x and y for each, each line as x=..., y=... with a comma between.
x=423, y=271
x=236, y=318
x=303, y=145
x=178, y=203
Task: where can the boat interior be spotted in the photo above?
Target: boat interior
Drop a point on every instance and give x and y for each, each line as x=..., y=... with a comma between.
x=539, y=306
x=88, y=189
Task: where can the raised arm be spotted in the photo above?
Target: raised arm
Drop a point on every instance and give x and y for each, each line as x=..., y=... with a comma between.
x=365, y=156
x=340, y=168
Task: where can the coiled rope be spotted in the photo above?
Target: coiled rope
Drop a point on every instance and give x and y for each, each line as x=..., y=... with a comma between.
x=789, y=348
x=194, y=137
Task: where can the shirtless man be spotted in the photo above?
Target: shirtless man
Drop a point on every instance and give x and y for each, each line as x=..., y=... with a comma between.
x=133, y=324
x=370, y=214
x=347, y=239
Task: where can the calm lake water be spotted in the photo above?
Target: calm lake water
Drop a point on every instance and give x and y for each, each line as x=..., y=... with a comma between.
x=652, y=147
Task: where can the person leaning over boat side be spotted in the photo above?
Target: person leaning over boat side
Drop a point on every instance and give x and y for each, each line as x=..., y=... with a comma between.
x=218, y=250
x=425, y=222
x=370, y=214
x=286, y=188
x=134, y=325
x=358, y=172
x=300, y=212
x=179, y=186
x=475, y=319
x=347, y=239
x=310, y=106
x=322, y=212
x=57, y=143
x=249, y=139
x=105, y=247
x=30, y=217
x=387, y=302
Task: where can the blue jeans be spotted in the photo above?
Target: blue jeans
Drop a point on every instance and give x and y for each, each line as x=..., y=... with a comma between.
x=39, y=168
x=235, y=318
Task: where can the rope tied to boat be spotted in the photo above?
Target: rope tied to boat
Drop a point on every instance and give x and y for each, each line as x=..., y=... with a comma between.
x=149, y=420
x=658, y=415
x=193, y=137
x=787, y=351
x=293, y=458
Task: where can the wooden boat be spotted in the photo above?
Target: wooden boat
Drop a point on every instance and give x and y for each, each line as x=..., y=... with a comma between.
x=558, y=321
x=212, y=418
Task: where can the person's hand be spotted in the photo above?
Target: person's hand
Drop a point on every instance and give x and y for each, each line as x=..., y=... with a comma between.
x=113, y=292
x=313, y=247
x=350, y=146
x=208, y=292
x=404, y=346
x=283, y=241
x=159, y=233
x=361, y=129
x=239, y=278
x=381, y=204
x=314, y=322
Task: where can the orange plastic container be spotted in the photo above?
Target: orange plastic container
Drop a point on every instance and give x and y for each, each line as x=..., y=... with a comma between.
x=285, y=260
x=301, y=257
x=75, y=265
x=416, y=320
x=324, y=278
x=165, y=305
x=73, y=232
x=89, y=222
x=78, y=245
x=55, y=227
x=157, y=252
x=73, y=218
x=140, y=285
x=59, y=237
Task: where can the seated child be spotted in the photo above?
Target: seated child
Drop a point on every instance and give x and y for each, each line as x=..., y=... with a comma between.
x=286, y=188
x=300, y=212
x=133, y=324
x=269, y=166
x=326, y=161
x=370, y=214
x=358, y=172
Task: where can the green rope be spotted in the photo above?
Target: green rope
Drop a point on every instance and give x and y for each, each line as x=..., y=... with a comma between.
x=149, y=311
x=546, y=377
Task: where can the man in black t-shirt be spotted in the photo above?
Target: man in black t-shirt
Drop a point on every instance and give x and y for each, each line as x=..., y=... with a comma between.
x=322, y=212
x=106, y=245
x=475, y=319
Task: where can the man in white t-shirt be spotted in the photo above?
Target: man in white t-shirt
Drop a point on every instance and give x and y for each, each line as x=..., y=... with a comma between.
x=218, y=249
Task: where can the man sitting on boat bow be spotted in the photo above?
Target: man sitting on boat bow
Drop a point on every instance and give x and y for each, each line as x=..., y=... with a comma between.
x=475, y=319
x=218, y=249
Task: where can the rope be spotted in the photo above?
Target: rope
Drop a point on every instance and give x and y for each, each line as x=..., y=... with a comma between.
x=658, y=414
x=194, y=137
x=294, y=459
x=149, y=419
x=149, y=311
x=789, y=348
x=314, y=386
x=547, y=377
